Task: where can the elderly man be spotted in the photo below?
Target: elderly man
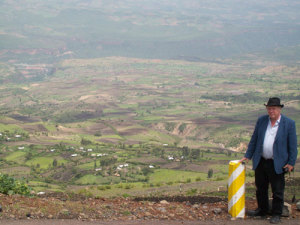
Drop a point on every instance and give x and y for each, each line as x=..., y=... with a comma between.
x=273, y=150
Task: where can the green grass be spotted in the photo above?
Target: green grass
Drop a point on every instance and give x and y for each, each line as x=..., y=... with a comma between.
x=44, y=162
x=50, y=127
x=96, y=179
x=18, y=157
x=88, y=166
x=11, y=128
x=39, y=186
x=167, y=175
x=113, y=136
x=153, y=136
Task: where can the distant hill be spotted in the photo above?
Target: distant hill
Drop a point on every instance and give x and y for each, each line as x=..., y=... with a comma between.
x=197, y=30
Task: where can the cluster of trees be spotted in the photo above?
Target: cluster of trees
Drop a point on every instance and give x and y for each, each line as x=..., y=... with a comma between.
x=13, y=136
x=107, y=161
x=191, y=153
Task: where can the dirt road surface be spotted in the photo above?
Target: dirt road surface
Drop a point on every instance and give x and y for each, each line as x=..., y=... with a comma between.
x=141, y=222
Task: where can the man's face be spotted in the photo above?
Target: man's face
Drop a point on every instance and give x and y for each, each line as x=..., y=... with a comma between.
x=274, y=112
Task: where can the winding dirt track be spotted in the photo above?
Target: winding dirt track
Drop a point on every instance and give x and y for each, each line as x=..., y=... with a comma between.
x=142, y=222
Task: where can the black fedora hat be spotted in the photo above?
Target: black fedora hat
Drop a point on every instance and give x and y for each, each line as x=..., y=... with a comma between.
x=274, y=102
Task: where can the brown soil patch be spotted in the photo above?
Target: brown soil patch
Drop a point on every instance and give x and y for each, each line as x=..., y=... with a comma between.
x=132, y=131
x=191, y=199
x=35, y=128
x=25, y=119
x=95, y=128
x=65, y=130
x=110, y=140
x=63, y=174
x=272, y=69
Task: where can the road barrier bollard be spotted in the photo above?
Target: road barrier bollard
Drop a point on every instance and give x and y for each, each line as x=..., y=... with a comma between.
x=236, y=189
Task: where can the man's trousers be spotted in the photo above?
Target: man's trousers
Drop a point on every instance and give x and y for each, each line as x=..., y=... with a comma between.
x=264, y=175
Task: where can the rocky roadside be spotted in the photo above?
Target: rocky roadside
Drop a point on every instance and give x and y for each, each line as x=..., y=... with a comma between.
x=180, y=208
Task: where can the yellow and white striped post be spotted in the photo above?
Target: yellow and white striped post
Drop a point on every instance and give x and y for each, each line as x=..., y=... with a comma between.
x=236, y=189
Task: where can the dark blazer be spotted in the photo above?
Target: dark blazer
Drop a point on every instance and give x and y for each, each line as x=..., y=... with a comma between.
x=285, y=143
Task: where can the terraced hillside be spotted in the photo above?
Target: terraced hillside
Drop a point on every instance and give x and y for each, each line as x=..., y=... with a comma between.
x=127, y=125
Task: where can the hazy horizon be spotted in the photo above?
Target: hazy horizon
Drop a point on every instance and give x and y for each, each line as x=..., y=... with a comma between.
x=38, y=31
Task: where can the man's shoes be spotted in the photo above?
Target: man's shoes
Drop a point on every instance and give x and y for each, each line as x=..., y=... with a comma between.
x=256, y=213
x=275, y=219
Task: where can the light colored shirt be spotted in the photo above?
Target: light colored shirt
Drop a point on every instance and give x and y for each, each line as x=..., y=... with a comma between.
x=269, y=139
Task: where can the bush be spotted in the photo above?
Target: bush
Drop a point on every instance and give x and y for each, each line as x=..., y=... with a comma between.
x=125, y=195
x=129, y=186
x=158, y=184
x=85, y=193
x=120, y=185
x=192, y=192
x=189, y=180
x=182, y=127
x=10, y=186
x=250, y=174
x=210, y=173
x=101, y=188
x=85, y=141
x=219, y=178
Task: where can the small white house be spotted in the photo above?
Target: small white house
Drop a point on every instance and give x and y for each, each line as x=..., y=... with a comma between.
x=21, y=148
x=18, y=136
x=74, y=155
x=151, y=167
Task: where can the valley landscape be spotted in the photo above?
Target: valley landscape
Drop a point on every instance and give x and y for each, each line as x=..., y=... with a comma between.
x=131, y=108
x=126, y=123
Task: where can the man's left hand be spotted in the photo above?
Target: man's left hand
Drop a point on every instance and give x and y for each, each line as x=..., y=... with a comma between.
x=290, y=167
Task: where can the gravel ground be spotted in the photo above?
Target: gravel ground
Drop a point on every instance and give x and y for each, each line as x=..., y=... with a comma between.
x=137, y=222
x=167, y=210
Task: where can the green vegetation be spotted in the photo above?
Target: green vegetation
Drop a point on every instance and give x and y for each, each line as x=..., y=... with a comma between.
x=164, y=176
x=17, y=157
x=43, y=162
x=10, y=186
